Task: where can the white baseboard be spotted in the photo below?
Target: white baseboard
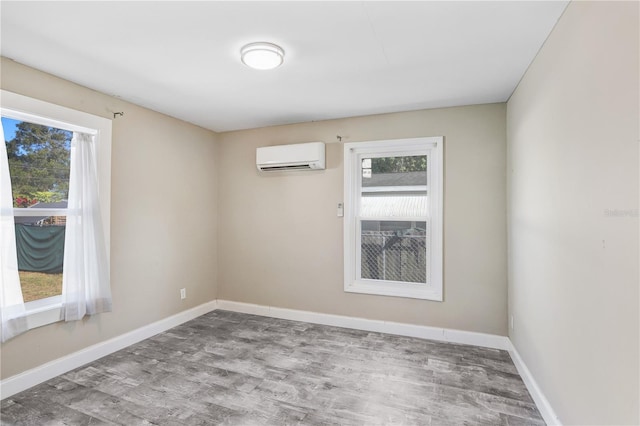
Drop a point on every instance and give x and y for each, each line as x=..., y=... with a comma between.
x=402, y=329
x=44, y=372
x=546, y=410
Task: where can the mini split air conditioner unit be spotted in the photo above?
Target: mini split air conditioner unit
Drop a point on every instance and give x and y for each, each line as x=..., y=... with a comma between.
x=301, y=156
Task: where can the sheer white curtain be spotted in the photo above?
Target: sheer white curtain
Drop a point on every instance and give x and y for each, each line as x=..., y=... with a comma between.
x=12, y=311
x=85, y=280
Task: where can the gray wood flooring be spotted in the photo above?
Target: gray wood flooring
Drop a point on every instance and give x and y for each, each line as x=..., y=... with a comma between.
x=238, y=369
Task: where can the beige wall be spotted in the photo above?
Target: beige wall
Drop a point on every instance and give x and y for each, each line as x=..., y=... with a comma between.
x=573, y=156
x=280, y=240
x=163, y=219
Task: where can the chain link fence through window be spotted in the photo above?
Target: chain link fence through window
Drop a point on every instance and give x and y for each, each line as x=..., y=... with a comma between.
x=392, y=257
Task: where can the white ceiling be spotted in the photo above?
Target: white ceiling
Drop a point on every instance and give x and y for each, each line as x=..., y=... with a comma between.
x=343, y=59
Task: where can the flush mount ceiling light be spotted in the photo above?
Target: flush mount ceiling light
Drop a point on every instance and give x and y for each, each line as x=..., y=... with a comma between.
x=262, y=55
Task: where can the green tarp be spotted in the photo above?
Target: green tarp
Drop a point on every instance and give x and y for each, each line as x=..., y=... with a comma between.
x=40, y=248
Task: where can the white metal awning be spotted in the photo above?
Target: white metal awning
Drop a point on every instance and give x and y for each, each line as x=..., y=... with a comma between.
x=394, y=206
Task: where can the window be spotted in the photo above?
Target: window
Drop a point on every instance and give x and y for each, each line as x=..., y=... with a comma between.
x=393, y=217
x=38, y=138
x=38, y=158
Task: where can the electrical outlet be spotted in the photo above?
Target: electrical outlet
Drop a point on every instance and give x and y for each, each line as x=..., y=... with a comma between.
x=183, y=293
x=511, y=322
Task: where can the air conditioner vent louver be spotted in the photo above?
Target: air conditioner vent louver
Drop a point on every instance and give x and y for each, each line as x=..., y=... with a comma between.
x=276, y=168
x=303, y=156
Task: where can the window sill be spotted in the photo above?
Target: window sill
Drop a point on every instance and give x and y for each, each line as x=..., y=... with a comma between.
x=411, y=291
x=43, y=311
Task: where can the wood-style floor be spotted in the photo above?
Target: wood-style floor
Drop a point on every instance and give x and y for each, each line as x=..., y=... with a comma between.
x=238, y=369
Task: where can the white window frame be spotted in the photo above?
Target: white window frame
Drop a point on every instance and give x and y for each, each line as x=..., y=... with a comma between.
x=353, y=154
x=12, y=105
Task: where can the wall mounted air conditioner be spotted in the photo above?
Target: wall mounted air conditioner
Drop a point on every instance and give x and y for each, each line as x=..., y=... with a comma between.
x=301, y=156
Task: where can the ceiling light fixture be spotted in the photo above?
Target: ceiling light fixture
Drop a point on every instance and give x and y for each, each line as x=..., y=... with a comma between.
x=262, y=55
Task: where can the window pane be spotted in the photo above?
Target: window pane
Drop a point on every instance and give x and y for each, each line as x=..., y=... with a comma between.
x=39, y=158
x=394, y=251
x=394, y=187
